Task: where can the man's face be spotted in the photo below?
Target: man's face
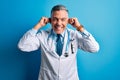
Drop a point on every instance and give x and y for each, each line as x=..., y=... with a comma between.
x=59, y=21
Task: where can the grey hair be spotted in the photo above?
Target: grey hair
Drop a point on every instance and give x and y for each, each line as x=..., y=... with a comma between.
x=58, y=7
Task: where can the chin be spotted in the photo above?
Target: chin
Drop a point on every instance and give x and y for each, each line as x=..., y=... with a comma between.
x=58, y=32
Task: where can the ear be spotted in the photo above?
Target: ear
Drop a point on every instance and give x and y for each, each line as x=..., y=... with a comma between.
x=49, y=20
x=68, y=20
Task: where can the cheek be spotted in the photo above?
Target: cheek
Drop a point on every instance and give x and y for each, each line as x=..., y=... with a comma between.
x=53, y=22
x=65, y=24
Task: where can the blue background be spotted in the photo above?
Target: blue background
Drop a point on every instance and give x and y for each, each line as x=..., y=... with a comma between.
x=100, y=17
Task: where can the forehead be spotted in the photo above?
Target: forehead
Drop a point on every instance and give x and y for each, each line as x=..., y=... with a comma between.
x=60, y=14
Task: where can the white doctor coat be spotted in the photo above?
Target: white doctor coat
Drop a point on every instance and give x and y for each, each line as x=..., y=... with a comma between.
x=53, y=66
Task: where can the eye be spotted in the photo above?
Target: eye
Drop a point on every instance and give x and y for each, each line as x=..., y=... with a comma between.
x=63, y=19
x=54, y=19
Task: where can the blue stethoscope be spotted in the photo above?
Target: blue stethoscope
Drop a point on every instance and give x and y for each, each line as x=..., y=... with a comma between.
x=66, y=54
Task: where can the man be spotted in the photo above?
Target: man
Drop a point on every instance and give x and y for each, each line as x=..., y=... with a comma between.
x=58, y=45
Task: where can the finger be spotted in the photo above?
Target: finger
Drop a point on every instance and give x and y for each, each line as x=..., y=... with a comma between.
x=42, y=19
x=72, y=21
x=46, y=20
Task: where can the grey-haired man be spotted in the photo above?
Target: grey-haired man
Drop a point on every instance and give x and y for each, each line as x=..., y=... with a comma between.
x=58, y=45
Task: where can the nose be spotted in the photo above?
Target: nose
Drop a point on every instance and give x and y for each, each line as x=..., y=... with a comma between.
x=59, y=22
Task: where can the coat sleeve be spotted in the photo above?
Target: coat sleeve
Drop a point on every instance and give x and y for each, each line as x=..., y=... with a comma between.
x=87, y=42
x=29, y=41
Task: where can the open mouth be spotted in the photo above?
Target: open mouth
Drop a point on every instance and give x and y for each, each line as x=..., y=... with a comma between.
x=58, y=28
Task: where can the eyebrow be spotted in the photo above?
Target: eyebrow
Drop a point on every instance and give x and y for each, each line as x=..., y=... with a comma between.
x=60, y=18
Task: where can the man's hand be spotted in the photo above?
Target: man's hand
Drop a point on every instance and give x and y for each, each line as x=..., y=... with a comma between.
x=75, y=23
x=42, y=22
